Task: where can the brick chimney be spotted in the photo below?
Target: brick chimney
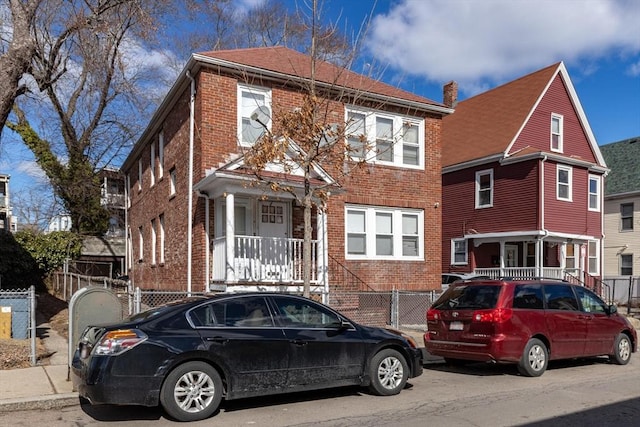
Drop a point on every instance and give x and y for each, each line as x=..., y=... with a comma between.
x=450, y=94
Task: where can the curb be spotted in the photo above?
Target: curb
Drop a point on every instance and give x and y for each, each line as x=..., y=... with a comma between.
x=43, y=402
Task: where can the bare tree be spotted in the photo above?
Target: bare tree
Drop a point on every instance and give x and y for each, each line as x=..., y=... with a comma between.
x=81, y=116
x=309, y=136
x=17, y=48
x=34, y=208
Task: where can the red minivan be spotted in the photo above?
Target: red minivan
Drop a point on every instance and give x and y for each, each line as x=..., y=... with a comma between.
x=526, y=322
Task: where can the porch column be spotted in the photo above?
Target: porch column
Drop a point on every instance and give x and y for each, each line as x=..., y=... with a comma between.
x=502, y=272
x=539, y=257
x=323, y=254
x=230, y=235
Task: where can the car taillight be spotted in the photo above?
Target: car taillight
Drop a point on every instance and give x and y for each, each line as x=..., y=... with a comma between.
x=496, y=315
x=117, y=342
x=433, y=314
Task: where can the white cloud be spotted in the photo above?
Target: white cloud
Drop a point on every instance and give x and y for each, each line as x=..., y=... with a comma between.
x=494, y=40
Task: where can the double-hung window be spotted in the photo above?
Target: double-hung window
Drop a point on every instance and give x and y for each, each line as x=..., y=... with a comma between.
x=484, y=189
x=626, y=265
x=385, y=138
x=254, y=113
x=594, y=193
x=626, y=217
x=556, y=133
x=594, y=257
x=161, y=154
x=383, y=233
x=458, y=251
x=563, y=180
x=152, y=164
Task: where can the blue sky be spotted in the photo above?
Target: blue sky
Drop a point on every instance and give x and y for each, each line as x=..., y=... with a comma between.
x=422, y=44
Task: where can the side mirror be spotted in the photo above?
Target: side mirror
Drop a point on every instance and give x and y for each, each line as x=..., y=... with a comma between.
x=612, y=309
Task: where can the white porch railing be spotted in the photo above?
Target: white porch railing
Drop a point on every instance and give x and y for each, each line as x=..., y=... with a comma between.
x=524, y=272
x=263, y=260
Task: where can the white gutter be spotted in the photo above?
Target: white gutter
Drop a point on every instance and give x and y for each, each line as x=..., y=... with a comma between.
x=190, y=208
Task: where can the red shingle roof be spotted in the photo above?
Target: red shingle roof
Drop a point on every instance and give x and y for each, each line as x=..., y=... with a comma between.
x=289, y=62
x=487, y=123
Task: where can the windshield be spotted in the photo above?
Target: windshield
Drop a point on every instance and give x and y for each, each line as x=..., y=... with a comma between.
x=469, y=297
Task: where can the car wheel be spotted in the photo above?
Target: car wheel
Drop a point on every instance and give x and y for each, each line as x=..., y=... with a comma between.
x=622, y=350
x=192, y=391
x=389, y=372
x=534, y=358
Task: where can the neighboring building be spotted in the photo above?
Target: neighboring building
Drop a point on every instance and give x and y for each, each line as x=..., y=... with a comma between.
x=7, y=220
x=186, y=175
x=522, y=182
x=622, y=208
x=59, y=222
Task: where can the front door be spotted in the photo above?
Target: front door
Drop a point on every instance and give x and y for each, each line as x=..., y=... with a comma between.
x=273, y=223
x=510, y=255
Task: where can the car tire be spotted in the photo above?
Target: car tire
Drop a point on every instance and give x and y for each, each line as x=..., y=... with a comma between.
x=389, y=372
x=191, y=392
x=535, y=358
x=621, y=350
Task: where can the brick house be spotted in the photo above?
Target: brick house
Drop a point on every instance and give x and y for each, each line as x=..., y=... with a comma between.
x=522, y=182
x=186, y=176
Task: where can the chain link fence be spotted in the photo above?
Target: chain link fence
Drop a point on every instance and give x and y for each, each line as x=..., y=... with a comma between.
x=18, y=318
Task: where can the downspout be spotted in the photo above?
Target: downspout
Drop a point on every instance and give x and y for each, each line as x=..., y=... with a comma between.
x=190, y=207
x=540, y=245
x=207, y=243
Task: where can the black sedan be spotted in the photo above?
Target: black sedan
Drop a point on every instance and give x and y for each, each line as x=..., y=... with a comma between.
x=188, y=355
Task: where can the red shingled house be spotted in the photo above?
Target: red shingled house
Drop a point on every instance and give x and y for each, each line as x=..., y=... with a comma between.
x=186, y=179
x=522, y=182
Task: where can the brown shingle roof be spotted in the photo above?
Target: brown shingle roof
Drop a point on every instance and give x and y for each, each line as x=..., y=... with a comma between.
x=487, y=123
x=289, y=62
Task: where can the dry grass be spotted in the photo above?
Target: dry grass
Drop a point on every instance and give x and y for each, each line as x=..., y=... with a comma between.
x=14, y=354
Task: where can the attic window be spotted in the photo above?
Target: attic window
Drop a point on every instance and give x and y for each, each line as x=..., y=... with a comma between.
x=556, y=133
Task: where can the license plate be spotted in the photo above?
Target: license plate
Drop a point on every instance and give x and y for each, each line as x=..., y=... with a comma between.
x=456, y=326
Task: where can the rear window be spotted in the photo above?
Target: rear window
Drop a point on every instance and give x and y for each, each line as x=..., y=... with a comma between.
x=469, y=297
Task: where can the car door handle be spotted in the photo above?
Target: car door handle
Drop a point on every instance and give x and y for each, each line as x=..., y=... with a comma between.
x=299, y=343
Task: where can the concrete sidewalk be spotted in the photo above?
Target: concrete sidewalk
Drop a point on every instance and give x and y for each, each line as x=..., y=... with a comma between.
x=40, y=387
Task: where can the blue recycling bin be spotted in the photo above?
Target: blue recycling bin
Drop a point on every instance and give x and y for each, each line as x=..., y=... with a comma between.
x=19, y=316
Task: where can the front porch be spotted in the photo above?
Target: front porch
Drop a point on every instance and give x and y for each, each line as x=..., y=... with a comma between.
x=528, y=272
x=269, y=260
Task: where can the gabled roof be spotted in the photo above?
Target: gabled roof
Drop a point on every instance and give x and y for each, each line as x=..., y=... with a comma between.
x=623, y=157
x=486, y=126
x=279, y=61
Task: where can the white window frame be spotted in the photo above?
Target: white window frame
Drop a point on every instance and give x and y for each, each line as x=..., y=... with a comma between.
x=479, y=175
x=128, y=178
x=398, y=144
x=594, y=195
x=140, y=174
x=152, y=164
x=140, y=244
x=154, y=241
x=560, y=133
x=596, y=257
x=370, y=233
x=161, y=154
x=172, y=182
x=569, y=184
x=622, y=264
x=453, y=252
x=254, y=90
x=162, y=237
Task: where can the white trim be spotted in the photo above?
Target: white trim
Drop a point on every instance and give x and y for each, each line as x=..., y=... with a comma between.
x=480, y=174
x=453, y=252
x=152, y=163
x=154, y=241
x=369, y=232
x=569, y=184
x=160, y=154
x=597, y=194
x=398, y=144
x=256, y=91
x=560, y=133
x=597, y=257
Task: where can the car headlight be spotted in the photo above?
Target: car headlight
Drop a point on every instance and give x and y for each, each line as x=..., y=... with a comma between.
x=117, y=342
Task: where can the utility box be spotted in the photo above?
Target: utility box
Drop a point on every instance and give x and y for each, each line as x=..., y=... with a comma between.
x=5, y=322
